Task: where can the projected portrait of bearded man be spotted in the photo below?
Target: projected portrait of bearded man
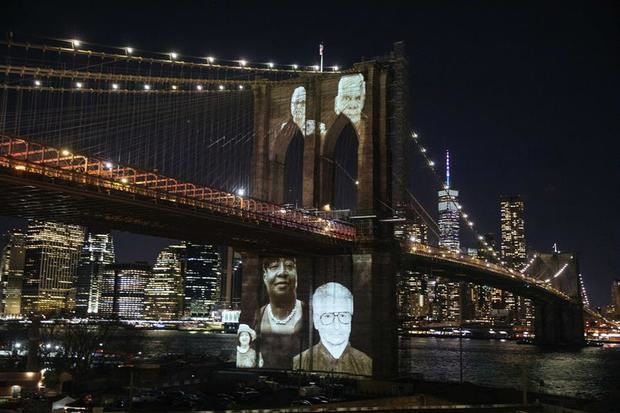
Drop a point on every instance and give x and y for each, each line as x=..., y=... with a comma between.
x=350, y=98
x=298, y=113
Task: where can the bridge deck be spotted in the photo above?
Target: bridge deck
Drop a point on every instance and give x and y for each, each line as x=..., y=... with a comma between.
x=48, y=183
x=459, y=267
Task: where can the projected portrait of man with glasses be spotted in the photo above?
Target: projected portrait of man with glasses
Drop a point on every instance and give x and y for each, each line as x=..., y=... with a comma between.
x=332, y=314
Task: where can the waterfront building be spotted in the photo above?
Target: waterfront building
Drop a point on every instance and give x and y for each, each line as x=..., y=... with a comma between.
x=122, y=290
x=164, y=289
x=203, y=279
x=615, y=296
x=52, y=252
x=98, y=251
x=482, y=302
x=12, y=272
x=438, y=300
x=412, y=298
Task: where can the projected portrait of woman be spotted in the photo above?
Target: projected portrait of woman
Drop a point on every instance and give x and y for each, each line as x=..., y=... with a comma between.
x=247, y=357
x=280, y=322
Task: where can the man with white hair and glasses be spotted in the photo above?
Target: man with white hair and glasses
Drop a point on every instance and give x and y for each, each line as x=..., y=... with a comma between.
x=332, y=314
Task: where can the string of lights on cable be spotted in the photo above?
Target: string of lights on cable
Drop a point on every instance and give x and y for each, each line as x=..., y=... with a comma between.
x=131, y=53
x=464, y=216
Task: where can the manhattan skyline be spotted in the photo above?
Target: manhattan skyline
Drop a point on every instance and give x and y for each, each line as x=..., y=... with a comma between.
x=523, y=97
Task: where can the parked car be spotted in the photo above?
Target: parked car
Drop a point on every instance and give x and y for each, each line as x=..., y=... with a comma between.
x=317, y=399
x=300, y=403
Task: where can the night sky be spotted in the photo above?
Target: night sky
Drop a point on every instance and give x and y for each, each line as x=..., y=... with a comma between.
x=523, y=94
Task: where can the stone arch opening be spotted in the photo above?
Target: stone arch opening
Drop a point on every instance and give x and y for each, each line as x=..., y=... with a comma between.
x=340, y=165
x=294, y=171
x=287, y=165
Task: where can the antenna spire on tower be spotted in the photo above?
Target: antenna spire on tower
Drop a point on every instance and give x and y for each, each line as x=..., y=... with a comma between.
x=447, y=169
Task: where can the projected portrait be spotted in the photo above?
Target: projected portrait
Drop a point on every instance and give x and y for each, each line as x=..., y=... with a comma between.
x=332, y=314
x=350, y=97
x=247, y=357
x=298, y=106
x=298, y=113
x=280, y=322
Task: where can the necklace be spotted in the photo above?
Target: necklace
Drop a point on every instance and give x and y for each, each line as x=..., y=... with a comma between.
x=278, y=321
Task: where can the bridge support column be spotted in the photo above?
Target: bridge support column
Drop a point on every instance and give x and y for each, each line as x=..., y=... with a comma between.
x=559, y=324
x=369, y=275
x=377, y=271
x=371, y=278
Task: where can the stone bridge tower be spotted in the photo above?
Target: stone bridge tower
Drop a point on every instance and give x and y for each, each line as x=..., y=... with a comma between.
x=368, y=102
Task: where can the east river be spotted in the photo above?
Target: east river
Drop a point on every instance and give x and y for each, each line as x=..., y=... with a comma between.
x=591, y=372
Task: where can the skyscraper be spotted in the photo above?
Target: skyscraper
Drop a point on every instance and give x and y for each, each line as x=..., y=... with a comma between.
x=51, y=260
x=123, y=289
x=203, y=278
x=449, y=237
x=412, y=298
x=449, y=215
x=513, y=253
x=512, y=245
x=164, y=290
x=412, y=228
x=12, y=272
x=615, y=296
x=98, y=251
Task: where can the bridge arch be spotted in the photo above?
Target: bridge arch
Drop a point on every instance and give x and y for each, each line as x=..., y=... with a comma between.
x=341, y=162
x=285, y=147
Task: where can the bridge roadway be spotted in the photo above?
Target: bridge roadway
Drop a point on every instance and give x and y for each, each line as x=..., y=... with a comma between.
x=459, y=267
x=42, y=182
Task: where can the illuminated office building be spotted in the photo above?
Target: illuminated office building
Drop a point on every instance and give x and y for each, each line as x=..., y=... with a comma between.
x=50, y=270
x=203, y=279
x=410, y=226
x=512, y=247
x=164, y=290
x=412, y=298
x=615, y=296
x=449, y=214
x=449, y=237
x=486, y=246
x=98, y=251
x=12, y=272
x=122, y=290
x=513, y=253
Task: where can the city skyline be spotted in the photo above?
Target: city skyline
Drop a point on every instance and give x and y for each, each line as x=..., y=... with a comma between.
x=211, y=206
x=507, y=100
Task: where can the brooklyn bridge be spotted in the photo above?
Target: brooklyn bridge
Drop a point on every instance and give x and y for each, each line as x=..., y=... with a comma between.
x=297, y=161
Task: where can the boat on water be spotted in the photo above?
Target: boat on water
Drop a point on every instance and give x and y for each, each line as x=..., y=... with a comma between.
x=214, y=327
